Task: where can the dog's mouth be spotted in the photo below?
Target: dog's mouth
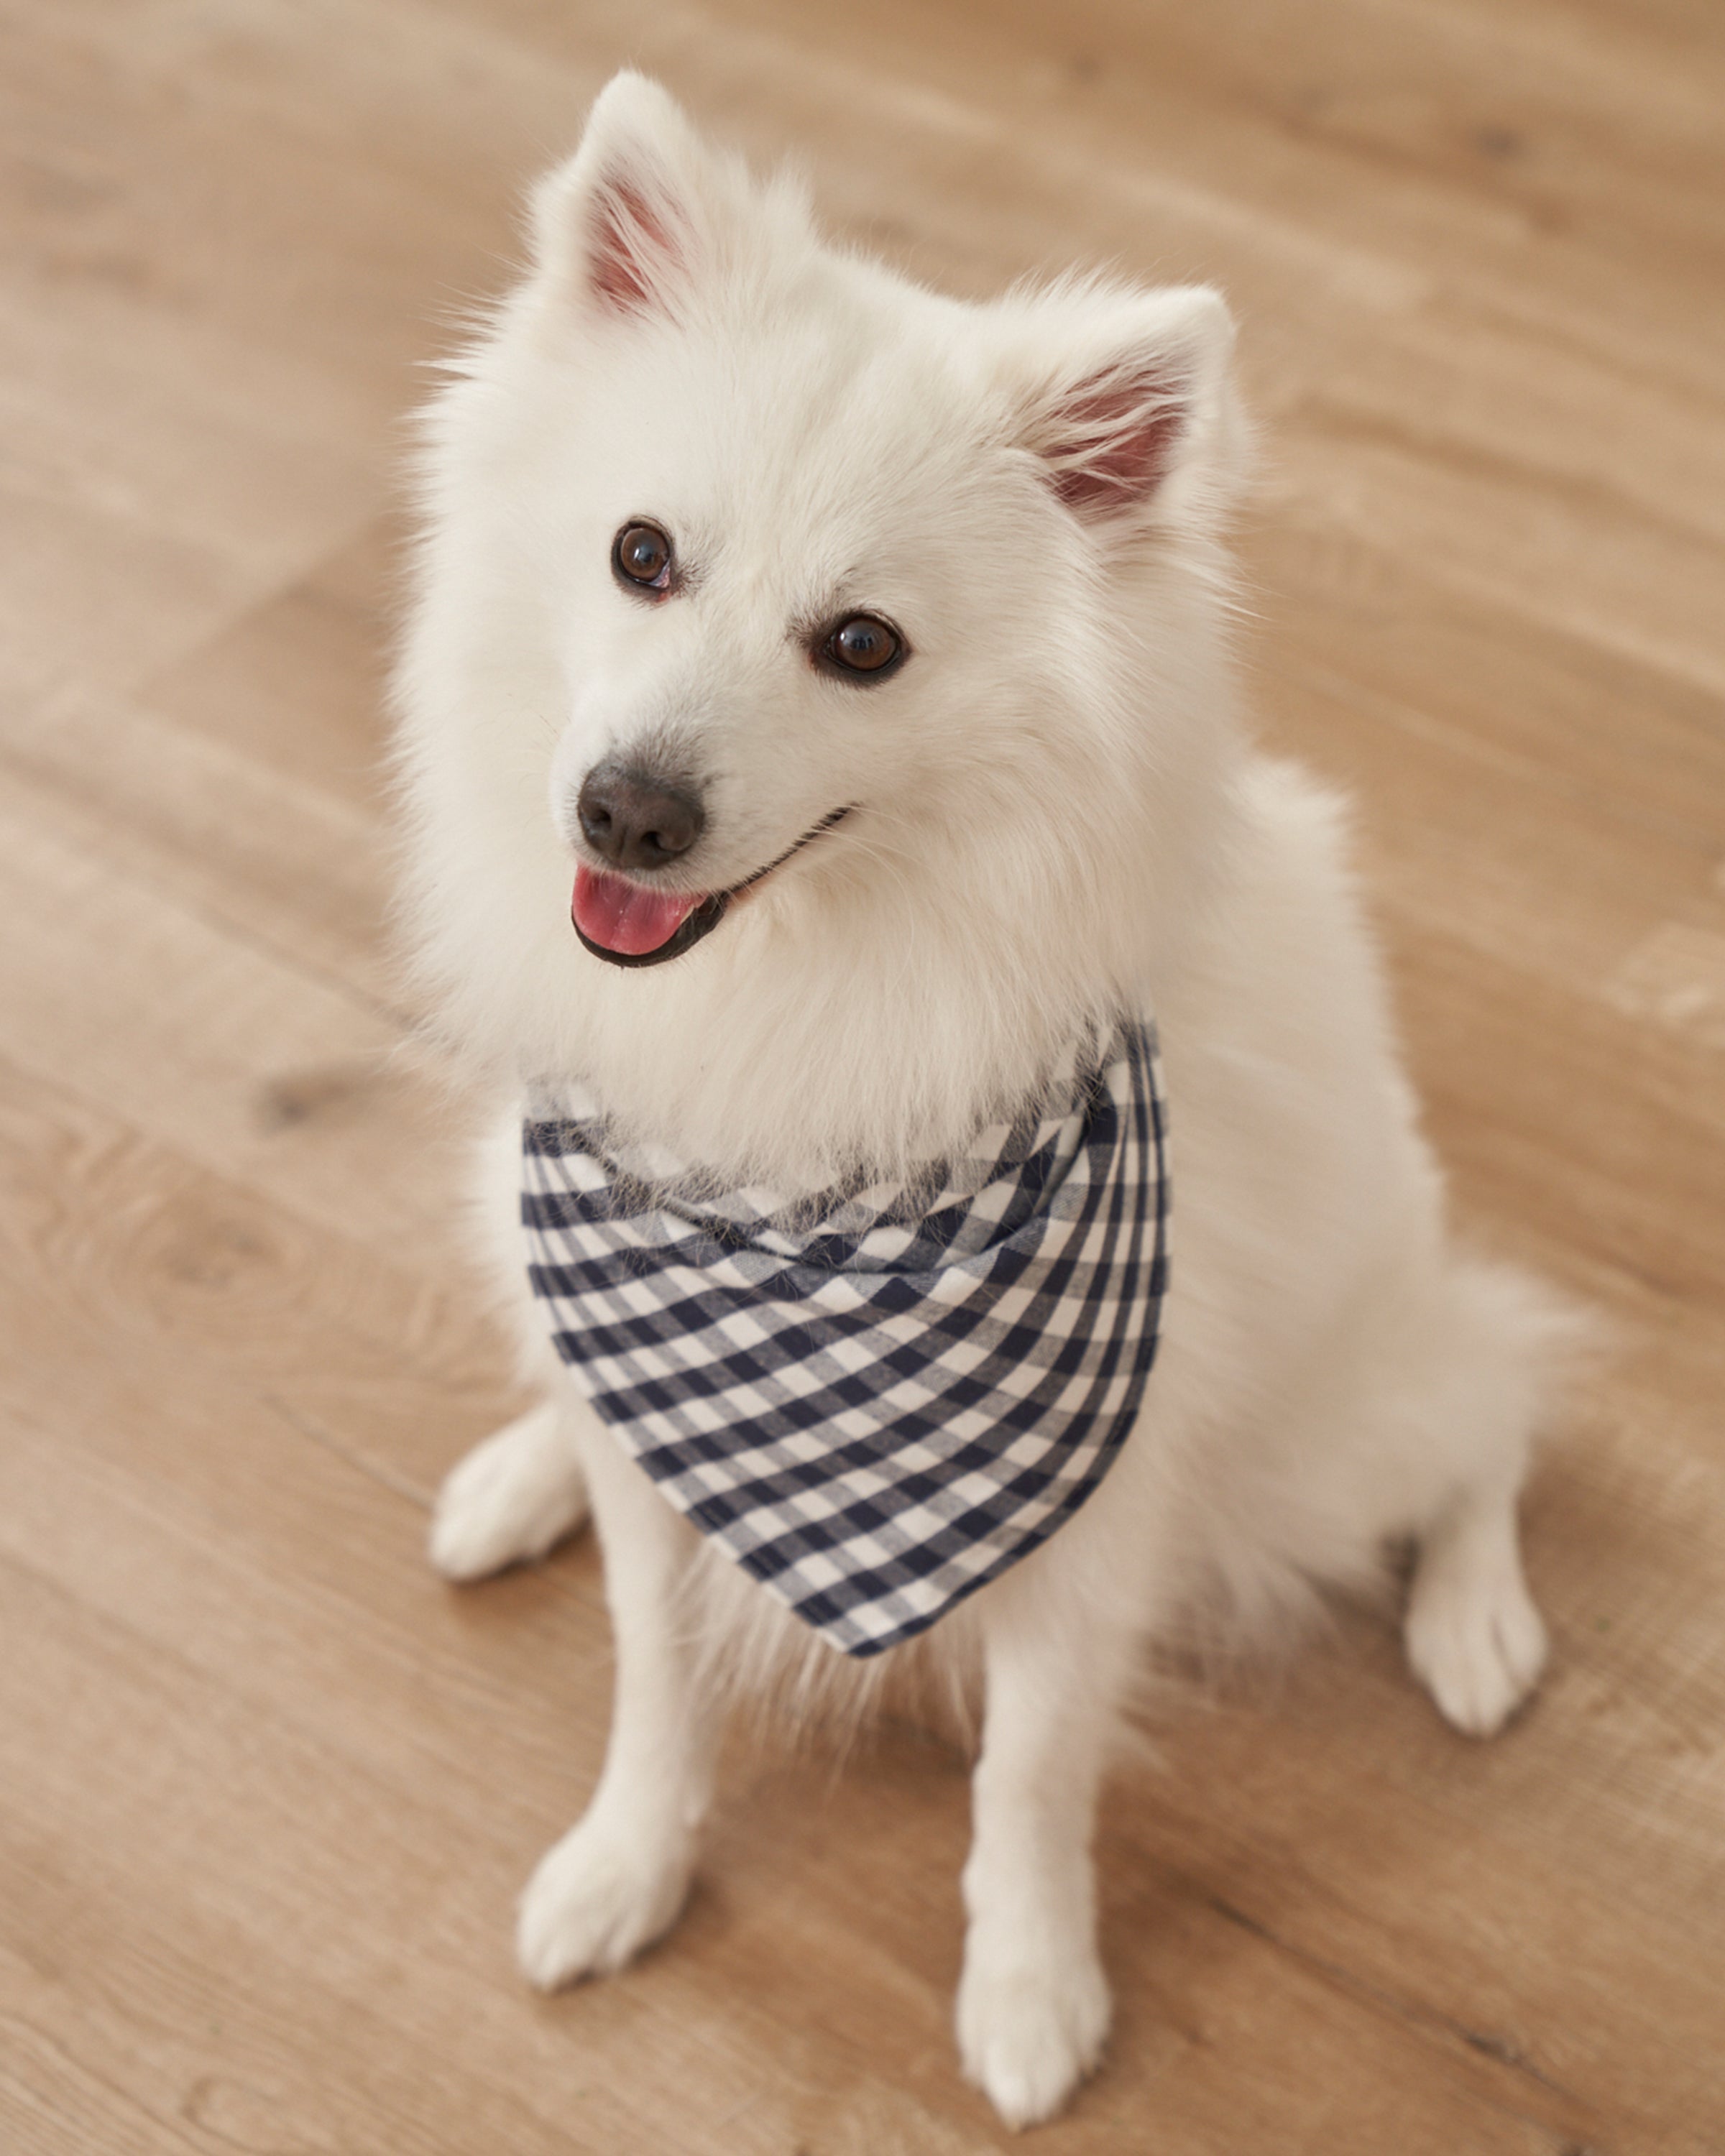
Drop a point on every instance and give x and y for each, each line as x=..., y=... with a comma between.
x=626, y=924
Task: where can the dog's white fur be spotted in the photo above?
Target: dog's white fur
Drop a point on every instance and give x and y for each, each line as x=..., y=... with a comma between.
x=1058, y=810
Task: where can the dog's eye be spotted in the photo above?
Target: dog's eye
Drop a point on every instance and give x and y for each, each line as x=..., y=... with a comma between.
x=863, y=643
x=641, y=555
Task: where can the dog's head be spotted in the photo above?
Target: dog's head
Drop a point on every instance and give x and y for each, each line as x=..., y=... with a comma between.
x=836, y=646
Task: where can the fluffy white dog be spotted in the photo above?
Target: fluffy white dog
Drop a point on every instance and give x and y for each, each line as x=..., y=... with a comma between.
x=863, y=657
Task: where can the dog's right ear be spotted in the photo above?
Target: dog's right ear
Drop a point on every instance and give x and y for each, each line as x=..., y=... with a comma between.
x=628, y=227
x=1125, y=400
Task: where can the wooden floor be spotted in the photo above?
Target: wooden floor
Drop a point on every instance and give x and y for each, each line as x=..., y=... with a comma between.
x=267, y=1788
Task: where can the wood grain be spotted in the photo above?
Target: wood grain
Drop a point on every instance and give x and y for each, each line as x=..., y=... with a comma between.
x=266, y=1788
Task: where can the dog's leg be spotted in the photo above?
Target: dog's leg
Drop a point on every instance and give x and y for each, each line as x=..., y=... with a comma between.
x=513, y=1496
x=1474, y=1637
x=619, y=1879
x=1032, y=2005
x=1497, y=1347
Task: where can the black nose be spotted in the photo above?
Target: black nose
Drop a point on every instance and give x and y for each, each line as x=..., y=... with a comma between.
x=635, y=820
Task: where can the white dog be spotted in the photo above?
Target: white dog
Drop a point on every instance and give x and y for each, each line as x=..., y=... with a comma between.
x=743, y=554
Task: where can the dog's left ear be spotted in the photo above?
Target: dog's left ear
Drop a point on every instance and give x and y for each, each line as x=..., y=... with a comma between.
x=1125, y=402
x=645, y=213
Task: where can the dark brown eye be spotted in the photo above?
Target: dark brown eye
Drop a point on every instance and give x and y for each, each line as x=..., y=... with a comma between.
x=641, y=554
x=863, y=643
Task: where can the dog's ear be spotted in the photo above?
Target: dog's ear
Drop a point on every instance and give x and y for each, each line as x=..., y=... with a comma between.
x=643, y=210
x=1126, y=403
x=610, y=227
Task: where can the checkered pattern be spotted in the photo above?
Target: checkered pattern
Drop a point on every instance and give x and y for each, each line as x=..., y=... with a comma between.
x=877, y=1400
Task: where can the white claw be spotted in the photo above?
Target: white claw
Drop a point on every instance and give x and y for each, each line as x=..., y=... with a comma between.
x=1474, y=1637
x=599, y=1896
x=511, y=1499
x=1029, y=2031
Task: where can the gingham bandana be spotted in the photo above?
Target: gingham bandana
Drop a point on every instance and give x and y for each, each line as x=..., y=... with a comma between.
x=877, y=1400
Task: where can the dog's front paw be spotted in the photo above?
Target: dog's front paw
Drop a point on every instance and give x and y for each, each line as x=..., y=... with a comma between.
x=1474, y=1637
x=1029, y=2031
x=511, y=1499
x=599, y=1896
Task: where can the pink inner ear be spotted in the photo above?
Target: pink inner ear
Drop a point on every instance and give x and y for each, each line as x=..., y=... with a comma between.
x=1112, y=440
x=632, y=246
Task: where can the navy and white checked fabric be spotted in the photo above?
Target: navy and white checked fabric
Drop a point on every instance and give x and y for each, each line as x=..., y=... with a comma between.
x=877, y=1400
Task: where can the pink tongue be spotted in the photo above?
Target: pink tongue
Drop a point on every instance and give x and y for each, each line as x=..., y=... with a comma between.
x=622, y=917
